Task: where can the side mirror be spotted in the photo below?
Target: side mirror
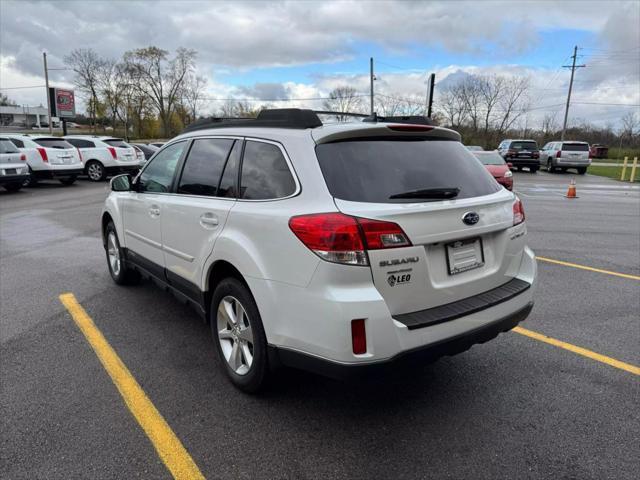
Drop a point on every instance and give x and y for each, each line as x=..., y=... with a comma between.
x=509, y=164
x=121, y=183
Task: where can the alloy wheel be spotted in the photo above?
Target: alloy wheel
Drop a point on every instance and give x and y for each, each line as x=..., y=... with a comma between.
x=235, y=335
x=114, y=253
x=94, y=171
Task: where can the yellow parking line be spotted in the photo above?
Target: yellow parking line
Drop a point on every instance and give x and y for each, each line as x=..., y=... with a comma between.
x=166, y=443
x=591, y=269
x=579, y=350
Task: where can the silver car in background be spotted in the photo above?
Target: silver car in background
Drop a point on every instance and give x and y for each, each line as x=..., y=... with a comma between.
x=564, y=155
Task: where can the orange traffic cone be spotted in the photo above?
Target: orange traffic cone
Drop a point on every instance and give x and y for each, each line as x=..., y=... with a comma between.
x=571, y=193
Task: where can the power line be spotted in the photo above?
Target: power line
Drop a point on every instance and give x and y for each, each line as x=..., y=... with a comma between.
x=20, y=88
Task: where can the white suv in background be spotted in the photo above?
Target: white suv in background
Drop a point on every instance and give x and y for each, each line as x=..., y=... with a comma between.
x=48, y=157
x=13, y=166
x=340, y=249
x=563, y=155
x=104, y=156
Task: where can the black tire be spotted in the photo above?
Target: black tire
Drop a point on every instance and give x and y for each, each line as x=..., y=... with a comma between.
x=550, y=167
x=258, y=373
x=68, y=180
x=13, y=187
x=124, y=275
x=519, y=169
x=95, y=171
x=31, y=181
x=582, y=170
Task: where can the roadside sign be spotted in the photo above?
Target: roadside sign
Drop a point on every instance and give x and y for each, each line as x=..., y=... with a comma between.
x=63, y=103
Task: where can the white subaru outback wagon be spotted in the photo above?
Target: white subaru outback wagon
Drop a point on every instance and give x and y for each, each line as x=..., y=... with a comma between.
x=340, y=249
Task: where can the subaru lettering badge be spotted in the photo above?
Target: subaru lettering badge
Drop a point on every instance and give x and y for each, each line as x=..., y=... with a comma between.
x=470, y=218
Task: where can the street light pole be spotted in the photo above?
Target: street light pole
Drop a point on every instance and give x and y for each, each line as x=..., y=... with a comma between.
x=46, y=80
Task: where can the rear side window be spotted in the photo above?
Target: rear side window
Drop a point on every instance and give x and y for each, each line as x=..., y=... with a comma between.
x=53, y=143
x=265, y=173
x=523, y=146
x=203, y=167
x=6, y=146
x=374, y=170
x=17, y=143
x=116, y=142
x=575, y=147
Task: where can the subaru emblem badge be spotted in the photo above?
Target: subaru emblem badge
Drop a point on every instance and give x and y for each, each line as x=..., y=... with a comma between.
x=471, y=218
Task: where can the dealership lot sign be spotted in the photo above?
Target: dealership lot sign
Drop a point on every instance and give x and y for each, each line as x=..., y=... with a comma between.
x=63, y=104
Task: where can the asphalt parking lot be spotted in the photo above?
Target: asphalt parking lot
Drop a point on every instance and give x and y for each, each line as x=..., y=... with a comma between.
x=515, y=407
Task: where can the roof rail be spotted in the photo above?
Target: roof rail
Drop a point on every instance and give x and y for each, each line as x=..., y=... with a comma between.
x=275, y=118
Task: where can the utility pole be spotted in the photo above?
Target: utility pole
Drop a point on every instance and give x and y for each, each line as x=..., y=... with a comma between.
x=573, y=67
x=371, y=79
x=46, y=81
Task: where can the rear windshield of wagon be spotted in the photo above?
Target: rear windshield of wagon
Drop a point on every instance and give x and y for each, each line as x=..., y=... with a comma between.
x=373, y=170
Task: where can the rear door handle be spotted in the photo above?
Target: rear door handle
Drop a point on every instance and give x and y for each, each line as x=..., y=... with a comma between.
x=208, y=220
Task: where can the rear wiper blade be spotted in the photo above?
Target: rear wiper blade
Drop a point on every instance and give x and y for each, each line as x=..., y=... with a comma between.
x=435, y=193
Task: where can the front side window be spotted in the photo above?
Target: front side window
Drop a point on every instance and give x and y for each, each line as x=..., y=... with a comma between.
x=203, y=166
x=265, y=173
x=158, y=175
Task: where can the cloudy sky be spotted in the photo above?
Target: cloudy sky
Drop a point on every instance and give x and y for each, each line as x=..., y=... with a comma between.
x=298, y=51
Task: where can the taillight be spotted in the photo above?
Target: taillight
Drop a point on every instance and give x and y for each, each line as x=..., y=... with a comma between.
x=43, y=154
x=340, y=238
x=518, y=212
x=558, y=154
x=23, y=157
x=79, y=154
x=358, y=336
x=410, y=128
x=112, y=150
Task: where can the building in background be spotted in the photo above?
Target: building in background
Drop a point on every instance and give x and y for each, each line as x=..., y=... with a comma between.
x=23, y=116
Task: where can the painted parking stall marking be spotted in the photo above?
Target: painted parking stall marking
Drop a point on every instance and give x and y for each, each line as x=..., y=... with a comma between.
x=586, y=267
x=169, y=448
x=627, y=367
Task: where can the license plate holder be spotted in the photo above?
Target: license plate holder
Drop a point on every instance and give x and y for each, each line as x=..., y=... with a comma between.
x=464, y=255
x=10, y=171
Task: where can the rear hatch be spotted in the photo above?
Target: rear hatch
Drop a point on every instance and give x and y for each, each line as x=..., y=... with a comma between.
x=10, y=157
x=124, y=151
x=59, y=152
x=455, y=215
x=524, y=149
x=575, y=151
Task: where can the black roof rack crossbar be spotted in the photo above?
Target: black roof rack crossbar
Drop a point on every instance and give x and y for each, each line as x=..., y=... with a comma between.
x=296, y=118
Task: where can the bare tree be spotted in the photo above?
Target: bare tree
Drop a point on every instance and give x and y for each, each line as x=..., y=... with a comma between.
x=86, y=64
x=193, y=93
x=630, y=124
x=343, y=99
x=471, y=91
x=492, y=90
x=5, y=101
x=549, y=124
x=453, y=105
x=404, y=105
x=513, y=103
x=161, y=78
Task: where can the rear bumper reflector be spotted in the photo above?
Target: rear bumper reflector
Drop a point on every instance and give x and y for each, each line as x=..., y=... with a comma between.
x=464, y=307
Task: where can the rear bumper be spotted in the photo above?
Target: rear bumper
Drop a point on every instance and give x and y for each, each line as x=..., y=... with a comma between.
x=6, y=179
x=417, y=356
x=524, y=162
x=57, y=173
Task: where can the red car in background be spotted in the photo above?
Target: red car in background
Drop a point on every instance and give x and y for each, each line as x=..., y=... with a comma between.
x=497, y=167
